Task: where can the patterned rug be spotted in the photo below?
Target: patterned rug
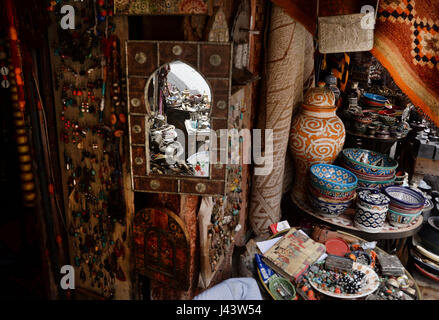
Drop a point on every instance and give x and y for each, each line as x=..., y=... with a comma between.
x=288, y=67
x=407, y=45
x=406, y=41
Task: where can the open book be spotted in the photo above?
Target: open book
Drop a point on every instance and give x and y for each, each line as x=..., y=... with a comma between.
x=293, y=254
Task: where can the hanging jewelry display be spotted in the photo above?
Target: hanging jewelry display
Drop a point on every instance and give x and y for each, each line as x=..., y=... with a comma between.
x=89, y=79
x=224, y=223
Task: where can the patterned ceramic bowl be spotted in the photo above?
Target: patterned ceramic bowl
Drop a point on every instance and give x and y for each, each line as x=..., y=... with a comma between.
x=329, y=209
x=369, y=177
x=404, y=197
x=332, y=194
x=380, y=185
x=397, y=219
x=374, y=99
x=330, y=177
x=405, y=211
x=369, y=162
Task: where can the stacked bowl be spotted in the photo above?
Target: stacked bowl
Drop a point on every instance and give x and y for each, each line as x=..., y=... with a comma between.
x=373, y=170
x=331, y=189
x=405, y=205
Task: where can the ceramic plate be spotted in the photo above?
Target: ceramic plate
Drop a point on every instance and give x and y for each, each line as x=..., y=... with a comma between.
x=337, y=247
x=372, y=284
x=426, y=274
x=417, y=244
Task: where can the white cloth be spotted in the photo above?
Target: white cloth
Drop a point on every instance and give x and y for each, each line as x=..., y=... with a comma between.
x=232, y=289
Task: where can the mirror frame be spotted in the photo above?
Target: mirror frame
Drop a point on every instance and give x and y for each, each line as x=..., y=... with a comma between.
x=213, y=60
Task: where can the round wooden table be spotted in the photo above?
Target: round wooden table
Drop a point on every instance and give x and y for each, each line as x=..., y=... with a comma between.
x=418, y=291
x=393, y=238
x=381, y=145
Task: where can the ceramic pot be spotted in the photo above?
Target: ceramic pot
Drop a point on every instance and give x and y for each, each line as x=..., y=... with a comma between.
x=360, y=128
x=371, y=211
x=428, y=208
x=371, y=130
x=317, y=136
x=331, y=82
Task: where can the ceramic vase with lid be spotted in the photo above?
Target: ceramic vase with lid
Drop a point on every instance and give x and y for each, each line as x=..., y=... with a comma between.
x=317, y=136
x=371, y=211
x=331, y=82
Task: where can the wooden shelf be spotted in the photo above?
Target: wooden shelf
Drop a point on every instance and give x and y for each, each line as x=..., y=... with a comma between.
x=345, y=222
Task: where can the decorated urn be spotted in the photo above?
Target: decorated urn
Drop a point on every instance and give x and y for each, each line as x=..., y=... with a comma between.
x=317, y=136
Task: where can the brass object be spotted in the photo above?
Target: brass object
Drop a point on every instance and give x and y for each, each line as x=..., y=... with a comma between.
x=200, y=187
x=135, y=102
x=138, y=161
x=154, y=184
x=215, y=60
x=177, y=50
x=137, y=129
x=140, y=57
x=221, y=104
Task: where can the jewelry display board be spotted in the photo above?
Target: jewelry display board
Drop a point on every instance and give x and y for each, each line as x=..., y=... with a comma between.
x=144, y=60
x=89, y=94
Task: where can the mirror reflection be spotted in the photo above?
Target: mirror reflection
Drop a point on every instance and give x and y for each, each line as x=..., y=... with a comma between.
x=178, y=100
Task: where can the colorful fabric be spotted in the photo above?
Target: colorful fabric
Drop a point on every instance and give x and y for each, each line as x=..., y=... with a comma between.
x=407, y=45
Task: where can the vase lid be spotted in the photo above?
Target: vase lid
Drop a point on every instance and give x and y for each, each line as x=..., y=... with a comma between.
x=373, y=197
x=322, y=97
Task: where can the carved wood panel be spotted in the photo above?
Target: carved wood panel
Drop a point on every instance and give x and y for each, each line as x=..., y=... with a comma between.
x=161, y=244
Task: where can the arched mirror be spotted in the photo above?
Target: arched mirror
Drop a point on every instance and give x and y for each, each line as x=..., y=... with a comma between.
x=178, y=94
x=178, y=101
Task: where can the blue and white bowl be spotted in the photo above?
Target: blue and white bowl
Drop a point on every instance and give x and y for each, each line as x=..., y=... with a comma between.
x=398, y=219
x=331, y=177
x=404, y=197
x=369, y=162
x=329, y=209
